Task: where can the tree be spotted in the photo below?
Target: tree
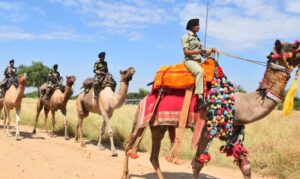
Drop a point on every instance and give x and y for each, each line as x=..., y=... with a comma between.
x=37, y=74
x=241, y=89
x=141, y=94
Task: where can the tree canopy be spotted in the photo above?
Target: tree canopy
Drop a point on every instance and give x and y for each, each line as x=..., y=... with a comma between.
x=37, y=73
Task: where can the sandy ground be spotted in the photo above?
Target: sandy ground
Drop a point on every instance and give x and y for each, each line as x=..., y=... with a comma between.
x=40, y=156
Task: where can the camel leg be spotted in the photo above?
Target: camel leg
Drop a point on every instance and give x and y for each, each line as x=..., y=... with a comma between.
x=4, y=121
x=81, y=132
x=53, y=121
x=46, y=111
x=18, y=111
x=7, y=113
x=77, y=128
x=39, y=108
x=157, y=133
x=197, y=165
x=101, y=133
x=64, y=113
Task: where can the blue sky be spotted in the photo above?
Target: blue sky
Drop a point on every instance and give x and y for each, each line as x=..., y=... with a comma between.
x=140, y=33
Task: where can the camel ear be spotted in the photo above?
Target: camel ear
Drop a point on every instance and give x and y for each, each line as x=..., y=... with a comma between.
x=278, y=46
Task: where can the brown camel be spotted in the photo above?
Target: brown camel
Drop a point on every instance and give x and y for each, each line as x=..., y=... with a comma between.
x=1, y=107
x=58, y=101
x=105, y=105
x=13, y=99
x=249, y=108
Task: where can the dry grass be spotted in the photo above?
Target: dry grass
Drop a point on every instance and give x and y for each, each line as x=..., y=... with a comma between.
x=273, y=142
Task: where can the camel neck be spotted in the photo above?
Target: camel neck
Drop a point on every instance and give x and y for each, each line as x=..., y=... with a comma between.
x=67, y=93
x=121, y=94
x=20, y=93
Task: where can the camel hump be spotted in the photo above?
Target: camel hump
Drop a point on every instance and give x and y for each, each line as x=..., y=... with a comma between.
x=87, y=83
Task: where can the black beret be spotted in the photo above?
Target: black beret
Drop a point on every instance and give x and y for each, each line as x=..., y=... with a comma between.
x=55, y=66
x=191, y=23
x=12, y=61
x=101, y=54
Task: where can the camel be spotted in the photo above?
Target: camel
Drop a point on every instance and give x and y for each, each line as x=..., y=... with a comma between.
x=58, y=101
x=105, y=105
x=13, y=99
x=250, y=107
x=1, y=107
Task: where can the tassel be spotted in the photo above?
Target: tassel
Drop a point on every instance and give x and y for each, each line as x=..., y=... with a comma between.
x=288, y=105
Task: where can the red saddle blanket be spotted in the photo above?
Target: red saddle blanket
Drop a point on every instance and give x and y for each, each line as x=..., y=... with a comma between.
x=168, y=109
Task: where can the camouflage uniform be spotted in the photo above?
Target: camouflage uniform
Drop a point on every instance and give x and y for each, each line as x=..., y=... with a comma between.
x=100, y=70
x=54, y=81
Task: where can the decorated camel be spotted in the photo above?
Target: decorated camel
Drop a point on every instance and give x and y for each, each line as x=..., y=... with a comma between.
x=104, y=105
x=247, y=108
x=58, y=101
x=13, y=99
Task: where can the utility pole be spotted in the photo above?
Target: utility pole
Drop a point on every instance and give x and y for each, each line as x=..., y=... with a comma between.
x=207, y=4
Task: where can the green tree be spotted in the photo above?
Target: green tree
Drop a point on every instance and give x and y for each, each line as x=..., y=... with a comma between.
x=241, y=89
x=37, y=74
x=143, y=93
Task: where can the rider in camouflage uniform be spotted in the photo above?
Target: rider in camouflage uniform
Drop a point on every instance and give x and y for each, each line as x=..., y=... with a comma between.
x=10, y=73
x=100, y=70
x=54, y=80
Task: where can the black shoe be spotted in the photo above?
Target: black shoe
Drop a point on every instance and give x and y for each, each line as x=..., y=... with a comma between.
x=202, y=103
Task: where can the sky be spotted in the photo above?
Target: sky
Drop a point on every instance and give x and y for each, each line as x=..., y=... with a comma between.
x=144, y=34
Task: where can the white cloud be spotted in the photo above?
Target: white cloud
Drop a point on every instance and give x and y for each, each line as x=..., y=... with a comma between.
x=8, y=6
x=293, y=6
x=119, y=17
x=11, y=33
x=239, y=24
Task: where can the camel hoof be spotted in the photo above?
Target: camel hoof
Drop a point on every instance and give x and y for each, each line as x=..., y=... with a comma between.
x=67, y=138
x=8, y=134
x=34, y=131
x=125, y=176
x=18, y=138
x=101, y=147
x=76, y=141
x=114, y=154
x=83, y=145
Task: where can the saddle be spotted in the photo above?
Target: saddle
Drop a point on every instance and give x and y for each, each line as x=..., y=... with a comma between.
x=108, y=81
x=178, y=77
x=6, y=84
x=44, y=87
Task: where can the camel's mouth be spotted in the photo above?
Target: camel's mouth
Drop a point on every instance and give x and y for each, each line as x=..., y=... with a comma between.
x=132, y=70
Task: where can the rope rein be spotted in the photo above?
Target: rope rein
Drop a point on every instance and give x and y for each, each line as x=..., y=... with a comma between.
x=240, y=58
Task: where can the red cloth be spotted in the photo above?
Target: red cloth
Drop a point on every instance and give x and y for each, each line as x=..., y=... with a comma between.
x=169, y=108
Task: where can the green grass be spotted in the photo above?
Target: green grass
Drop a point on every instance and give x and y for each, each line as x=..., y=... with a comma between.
x=273, y=142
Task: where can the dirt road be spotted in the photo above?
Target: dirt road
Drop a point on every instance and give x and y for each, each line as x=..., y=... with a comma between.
x=40, y=156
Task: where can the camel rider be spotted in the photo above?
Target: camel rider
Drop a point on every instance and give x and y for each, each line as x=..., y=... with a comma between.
x=193, y=51
x=100, y=70
x=54, y=80
x=10, y=73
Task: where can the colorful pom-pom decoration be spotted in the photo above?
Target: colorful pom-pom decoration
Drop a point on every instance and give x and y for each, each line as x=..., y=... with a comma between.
x=221, y=112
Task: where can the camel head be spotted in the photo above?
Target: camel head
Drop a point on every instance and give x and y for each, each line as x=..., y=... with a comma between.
x=126, y=75
x=22, y=79
x=70, y=80
x=286, y=54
